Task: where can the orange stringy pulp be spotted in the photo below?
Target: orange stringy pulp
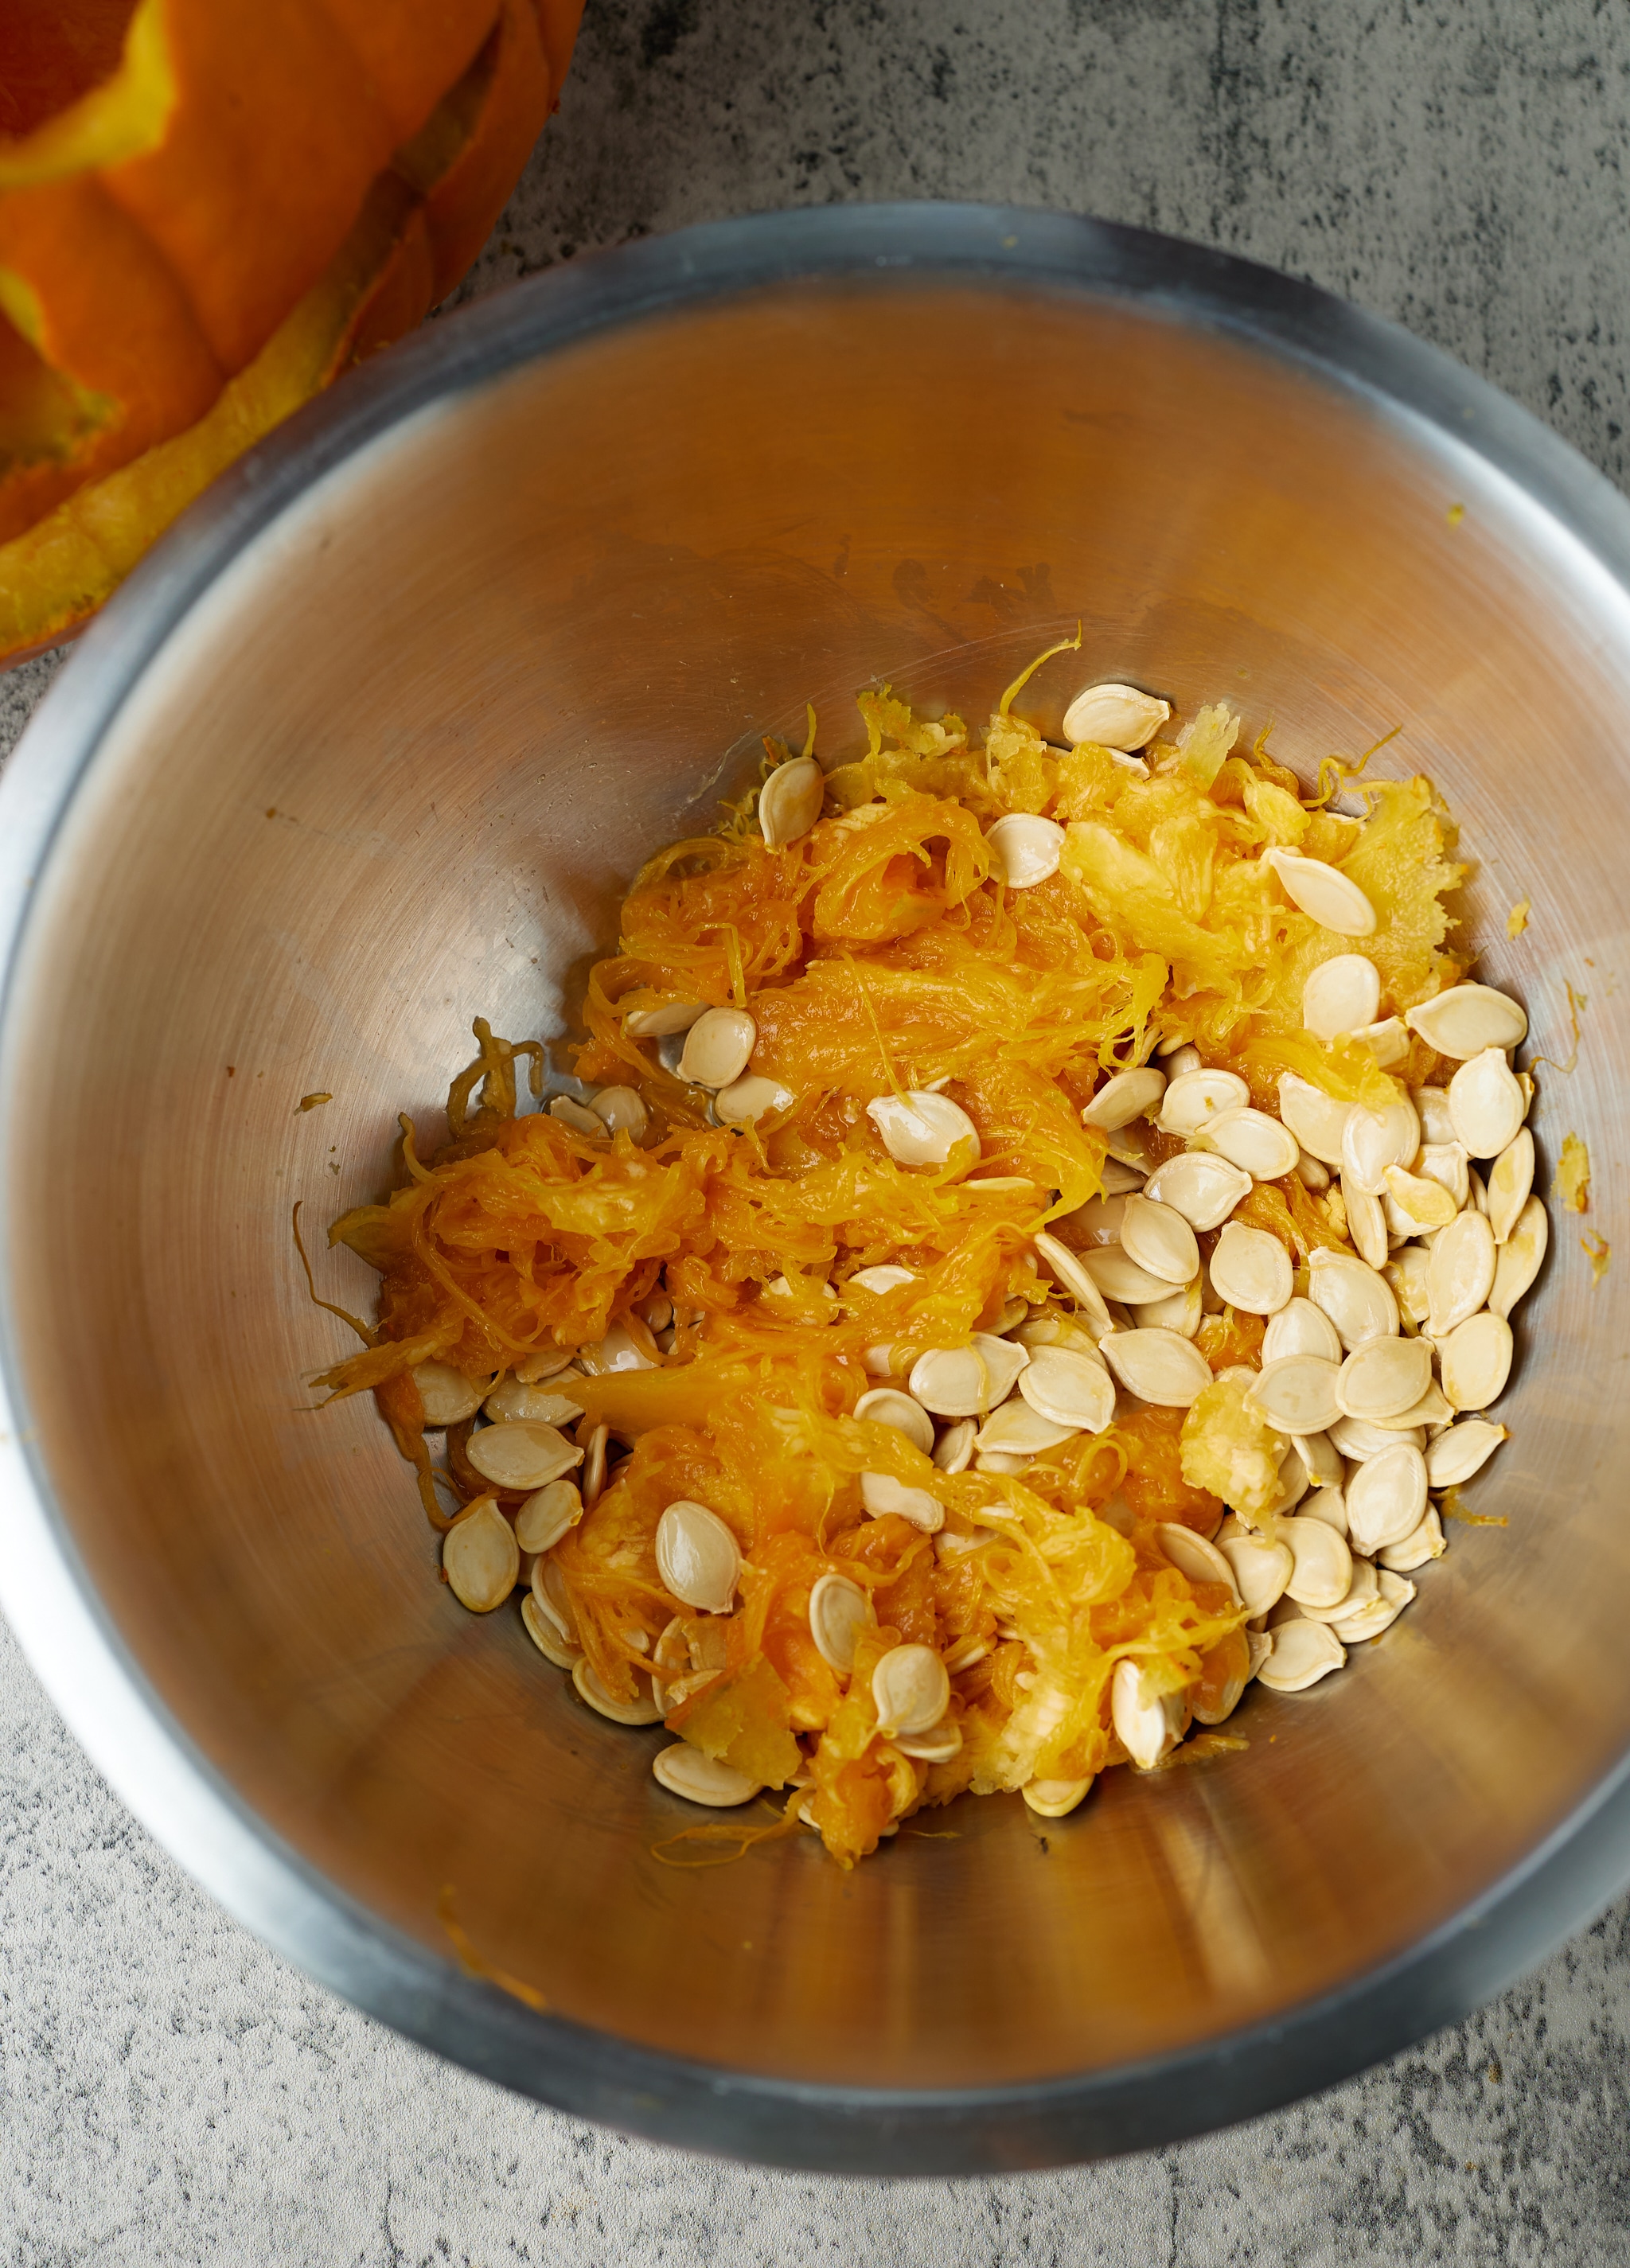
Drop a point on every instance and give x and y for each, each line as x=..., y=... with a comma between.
x=879, y=954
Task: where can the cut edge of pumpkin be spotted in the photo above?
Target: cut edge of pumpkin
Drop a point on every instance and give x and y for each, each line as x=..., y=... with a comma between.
x=124, y=116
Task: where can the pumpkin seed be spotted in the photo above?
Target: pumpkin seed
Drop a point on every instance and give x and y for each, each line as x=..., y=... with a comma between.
x=953, y=1452
x=1297, y=1393
x=1323, y=1573
x=1358, y=1441
x=1326, y=1502
x=1250, y=1140
x=886, y=1405
x=1474, y=1361
x=627, y=1345
x=1316, y=1119
x=839, y=1611
x=1342, y=994
x=1299, y=1328
x=1323, y=894
x=1191, y=1556
x=1357, y=1302
x=1250, y=1269
x=1478, y=1196
x=1119, y=1276
x=1025, y=849
x=1147, y=1723
x=1406, y=1273
x=790, y=800
x=1366, y=1224
x=548, y=1362
x=662, y=1023
x=1182, y=1311
x=1116, y=717
x=1119, y=1179
x=538, y=1405
x=684, y=1771
x=1179, y=1056
x=1051, y=1329
x=1422, y=1199
x=1487, y=1104
x=1386, y=1497
x=1437, y=1128
x=880, y=1280
x=1388, y=1041
x=936, y=1748
x=1360, y=1592
x=522, y=1454
x=1193, y=1098
x=1520, y=1256
x=554, y=1602
x=621, y=1111
x=1201, y=1186
x=1158, y=1367
x=448, y=1396
x=1072, y=1273
x=1432, y=1408
x=1070, y=1389
x=643, y=1709
x=1510, y=1181
x=1054, y=1799
x=1384, y=1378
x=1465, y=1449
x=697, y=1558
x=546, y=1640
x=881, y=1494
x=998, y=1460
x=1372, y=1140
x=1099, y=1221
x=922, y=1129
x=1424, y=1543
x=1460, y=1271
x=1015, y=1430
x=717, y=1048
x=1302, y=1653
x=1290, y=1486
x=910, y=1689
x=1125, y=1096
x=1323, y=1463
x=1310, y=1174
x=1468, y=1020
x=1158, y=1240
x=1393, y=1593
x=549, y=1514
x=1262, y=1569
x=749, y=1098
x=574, y=1114
x=481, y=1557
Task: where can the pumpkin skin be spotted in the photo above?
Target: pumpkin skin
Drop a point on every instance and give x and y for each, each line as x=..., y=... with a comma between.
x=169, y=289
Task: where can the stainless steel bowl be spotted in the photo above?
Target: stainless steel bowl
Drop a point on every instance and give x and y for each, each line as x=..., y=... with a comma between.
x=371, y=746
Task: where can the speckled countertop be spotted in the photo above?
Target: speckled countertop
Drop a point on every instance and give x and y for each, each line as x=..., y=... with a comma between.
x=170, y=2093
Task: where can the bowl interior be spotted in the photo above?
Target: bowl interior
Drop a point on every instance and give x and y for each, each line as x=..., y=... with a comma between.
x=395, y=771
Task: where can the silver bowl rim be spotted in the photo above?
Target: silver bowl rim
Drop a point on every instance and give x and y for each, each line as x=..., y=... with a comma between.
x=62, y=1624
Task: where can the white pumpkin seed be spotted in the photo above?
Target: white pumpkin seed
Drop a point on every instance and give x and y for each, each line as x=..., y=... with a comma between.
x=1372, y=1140
x=953, y=1452
x=1465, y=1449
x=1323, y=1573
x=554, y=1602
x=1342, y=994
x=1393, y=1593
x=997, y=1461
x=1125, y=1096
x=922, y=1129
x=1323, y=894
x=1070, y=1389
x=1299, y=1328
x=1360, y=1591
x=1099, y=1220
x=574, y=1113
x=1432, y=1107
x=549, y=1514
x=644, y=1710
x=1326, y=1502
x=883, y=1279
x=1025, y=849
x=1262, y=1569
x=684, y=1771
x=1388, y=1041
x=625, y=1346
x=1467, y=1019
x=1303, y=1651
x=910, y=1689
x=954, y=1382
x=935, y=1748
x=1310, y=1174
x=662, y=1023
x=1321, y=1460
x=1357, y=1302
x=1015, y=1430
x=886, y=1405
x=790, y=800
x=1054, y=1799
x=1520, y=1256
x=839, y=1611
x=1191, y=1556
x=1113, y=716
x=717, y=1048
x=1119, y=1179
x=1432, y=1408
x=1424, y=1543
x=1119, y=1276
x=1297, y=1393
x=1147, y=1723
x=1358, y=1441
x=1202, y=1186
x=1474, y=1361
x=522, y=1454
x=1510, y=1181
x=1422, y=1199
x=481, y=1557
x=1158, y=1367
x=1386, y=1497
x=1050, y=1329
x=1180, y=1055
x=1157, y=1239
x=1290, y=1486
x=1183, y=1311
x=1250, y=1269
x=1250, y=1140
x=1366, y=1224
x=1384, y=1378
x=1460, y=1271
x=621, y=1111
x=448, y=1396
x=881, y=1494
x=1072, y=1273
x=1317, y=1119
x=546, y=1638
x=1407, y=1273
x=1478, y=1196
x=750, y=1098
x=1487, y=1104
x=539, y=1405
x=697, y=1558
x=1193, y=1099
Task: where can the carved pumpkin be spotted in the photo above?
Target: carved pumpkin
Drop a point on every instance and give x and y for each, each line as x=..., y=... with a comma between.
x=206, y=213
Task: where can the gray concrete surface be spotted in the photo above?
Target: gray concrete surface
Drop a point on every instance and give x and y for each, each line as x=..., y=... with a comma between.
x=169, y=2092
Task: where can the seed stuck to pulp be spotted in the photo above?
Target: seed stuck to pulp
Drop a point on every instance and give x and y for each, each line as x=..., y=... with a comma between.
x=717, y=1048
x=697, y=1558
x=839, y=1611
x=790, y=800
x=886, y=1405
x=1112, y=715
x=1342, y=995
x=1147, y=1722
x=1027, y=848
x=911, y=1690
x=1125, y=1096
x=922, y=1129
x=882, y=1495
x=448, y=1396
x=1324, y=893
